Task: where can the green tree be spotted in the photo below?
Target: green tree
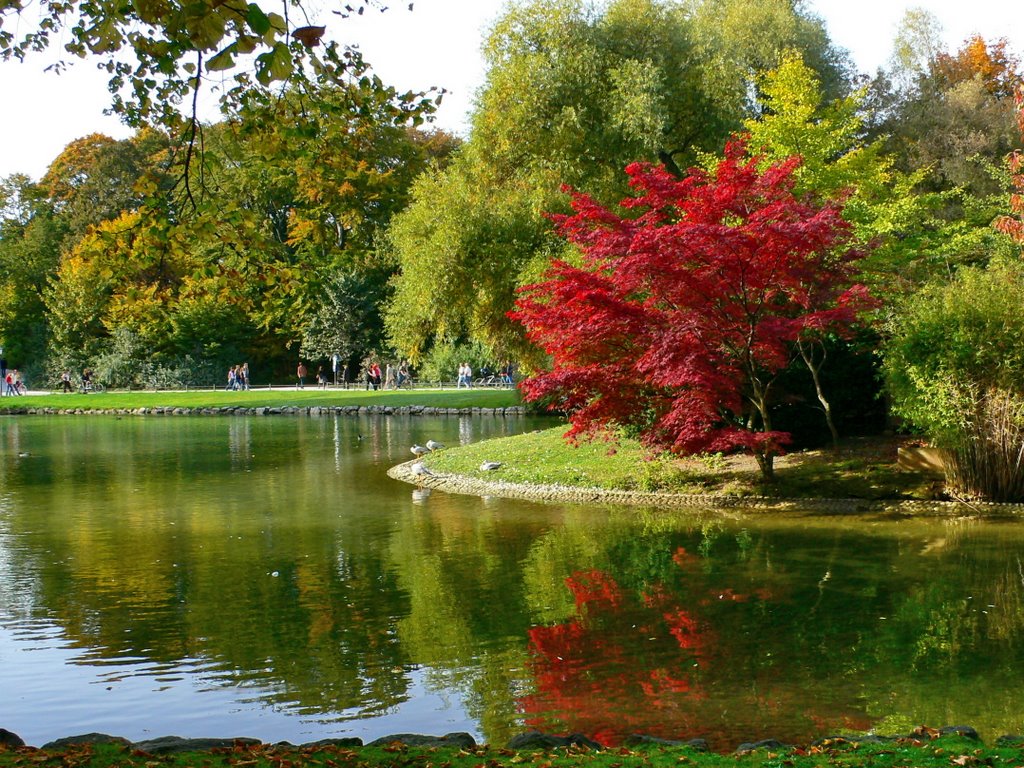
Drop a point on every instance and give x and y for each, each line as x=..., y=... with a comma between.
x=573, y=94
x=30, y=242
x=463, y=247
x=915, y=48
x=741, y=39
x=346, y=320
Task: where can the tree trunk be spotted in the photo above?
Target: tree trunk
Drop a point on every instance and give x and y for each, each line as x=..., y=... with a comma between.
x=766, y=462
x=815, y=369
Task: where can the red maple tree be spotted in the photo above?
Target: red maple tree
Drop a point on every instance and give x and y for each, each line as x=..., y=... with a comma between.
x=681, y=315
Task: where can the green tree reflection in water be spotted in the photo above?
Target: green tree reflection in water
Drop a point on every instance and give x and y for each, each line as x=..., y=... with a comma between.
x=275, y=554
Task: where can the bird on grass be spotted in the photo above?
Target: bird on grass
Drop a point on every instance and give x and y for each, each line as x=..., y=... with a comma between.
x=420, y=450
x=488, y=466
x=434, y=445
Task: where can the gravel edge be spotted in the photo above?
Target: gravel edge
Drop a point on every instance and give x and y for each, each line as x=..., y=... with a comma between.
x=473, y=486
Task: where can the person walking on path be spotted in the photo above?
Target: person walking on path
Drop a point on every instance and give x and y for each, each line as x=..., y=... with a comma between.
x=300, y=374
x=65, y=380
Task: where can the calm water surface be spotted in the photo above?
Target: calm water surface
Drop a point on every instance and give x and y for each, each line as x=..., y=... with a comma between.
x=261, y=576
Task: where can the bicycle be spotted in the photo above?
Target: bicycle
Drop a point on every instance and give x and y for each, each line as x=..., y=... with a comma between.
x=92, y=386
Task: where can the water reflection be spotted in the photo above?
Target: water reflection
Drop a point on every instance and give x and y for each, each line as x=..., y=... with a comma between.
x=263, y=576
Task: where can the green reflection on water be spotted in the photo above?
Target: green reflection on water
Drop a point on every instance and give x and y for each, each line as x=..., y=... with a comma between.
x=275, y=553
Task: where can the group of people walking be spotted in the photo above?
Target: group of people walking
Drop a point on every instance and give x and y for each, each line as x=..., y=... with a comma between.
x=238, y=377
x=395, y=375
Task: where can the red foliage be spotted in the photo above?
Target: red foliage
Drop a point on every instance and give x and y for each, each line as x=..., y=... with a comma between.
x=680, y=316
x=645, y=662
x=1014, y=227
x=594, y=588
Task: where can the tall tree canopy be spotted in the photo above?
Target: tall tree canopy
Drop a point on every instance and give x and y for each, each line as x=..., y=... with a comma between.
x=574, y=92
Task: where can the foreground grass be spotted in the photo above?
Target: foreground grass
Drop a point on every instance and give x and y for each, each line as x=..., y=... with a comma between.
x=860, y=469
x=837, y=753
x=272, y=398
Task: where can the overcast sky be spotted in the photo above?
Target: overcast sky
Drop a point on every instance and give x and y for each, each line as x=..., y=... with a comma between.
x=437, y=44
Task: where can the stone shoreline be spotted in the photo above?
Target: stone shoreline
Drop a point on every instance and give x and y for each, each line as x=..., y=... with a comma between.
x=290, y=410
x=472, y=486
x=531, y=740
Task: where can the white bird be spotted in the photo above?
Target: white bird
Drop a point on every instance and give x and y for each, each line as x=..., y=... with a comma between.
x=421, y=471
x=420, y=450
x=434, y=445
x=487, y=466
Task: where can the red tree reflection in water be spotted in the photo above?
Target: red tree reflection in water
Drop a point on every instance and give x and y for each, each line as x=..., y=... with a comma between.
x=628, y=663
x=622, y=665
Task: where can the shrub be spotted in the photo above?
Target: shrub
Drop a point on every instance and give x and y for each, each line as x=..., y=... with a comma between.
x=954, y=368
x=443, y=361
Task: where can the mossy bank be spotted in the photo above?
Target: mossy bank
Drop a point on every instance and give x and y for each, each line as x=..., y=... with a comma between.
x=924, y=748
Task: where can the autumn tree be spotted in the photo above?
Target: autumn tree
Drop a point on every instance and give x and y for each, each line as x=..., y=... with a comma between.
x=680, y=318
x=957, y=120
x=992, y=63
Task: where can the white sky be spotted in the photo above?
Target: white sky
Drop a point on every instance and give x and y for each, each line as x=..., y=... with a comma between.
x=436, y=44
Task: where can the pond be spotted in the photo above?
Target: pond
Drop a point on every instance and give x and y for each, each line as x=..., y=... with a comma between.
x=263, y=577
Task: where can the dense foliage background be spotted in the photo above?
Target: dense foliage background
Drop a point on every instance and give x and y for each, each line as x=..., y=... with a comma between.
x=326, y=218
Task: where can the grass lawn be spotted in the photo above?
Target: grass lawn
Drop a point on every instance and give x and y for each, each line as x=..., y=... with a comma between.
x=862, y=468
x=276, y=398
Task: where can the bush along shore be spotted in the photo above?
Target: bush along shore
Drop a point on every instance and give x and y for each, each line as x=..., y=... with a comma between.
x=923, y=748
